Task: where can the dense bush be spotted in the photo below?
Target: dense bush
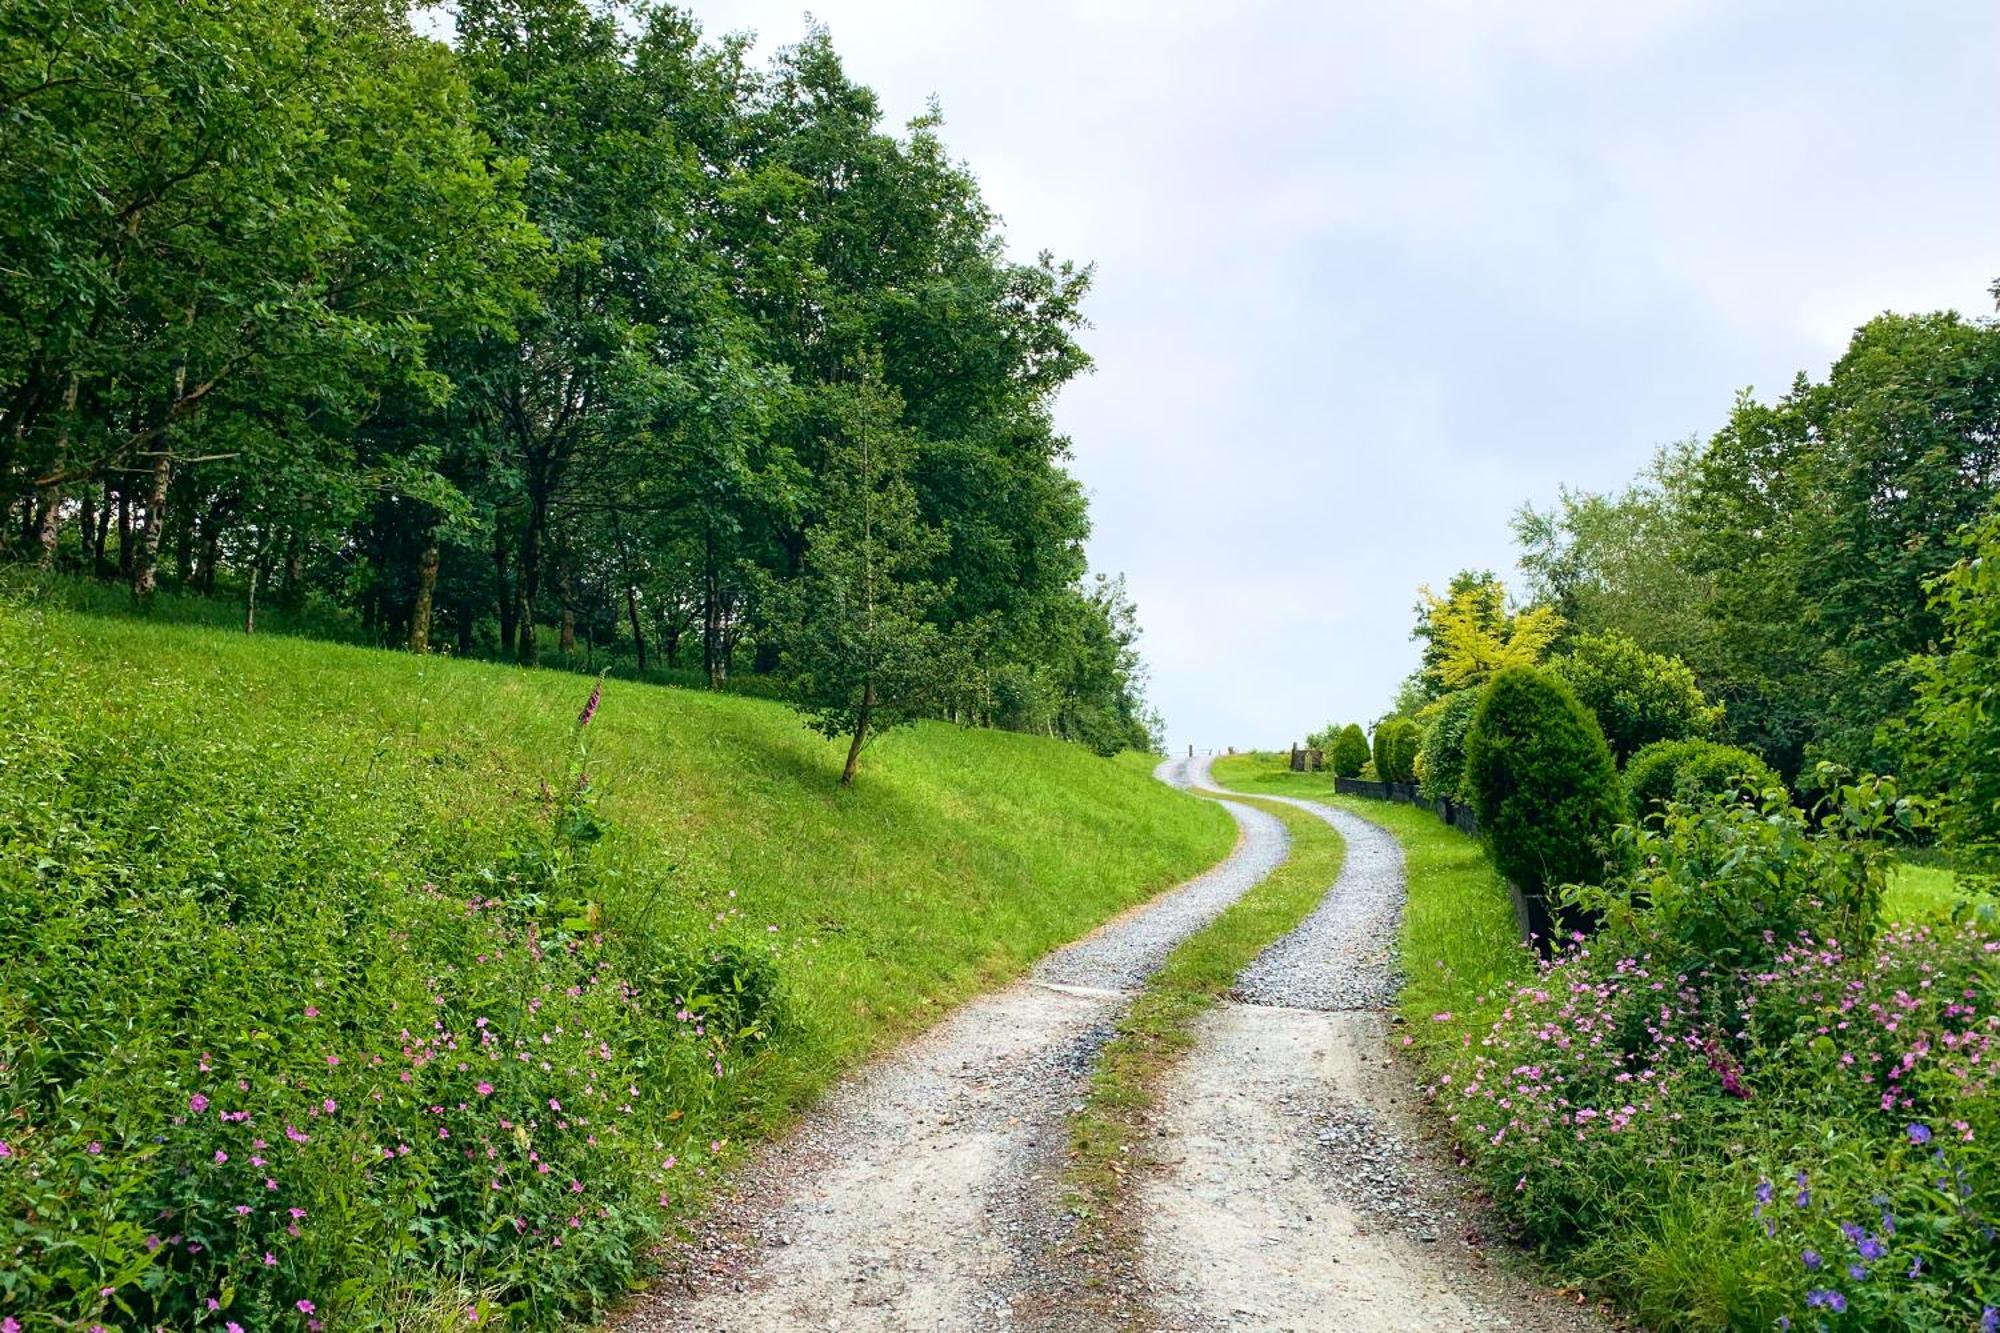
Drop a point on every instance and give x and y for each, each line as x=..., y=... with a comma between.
x=266, y=1046
x=1717, y=885
x=1440, y=760
x=1541, y=781
x=1681, y=770
x=1638, y=697
x=1395, y=750
x=1735, y=1106
x=1349, y=752
x=1958, y=695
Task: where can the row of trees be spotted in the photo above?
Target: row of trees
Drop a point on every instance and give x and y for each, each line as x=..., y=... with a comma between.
x=1811, y=586
x=577, y=327
x=1789, y=560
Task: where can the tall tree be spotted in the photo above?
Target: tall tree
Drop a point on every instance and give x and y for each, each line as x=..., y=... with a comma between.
x=858, y=650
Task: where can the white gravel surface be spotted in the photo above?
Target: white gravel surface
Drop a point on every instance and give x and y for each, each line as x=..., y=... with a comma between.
x=925, y=1193
x=1295, y=1186
x=1343, y=956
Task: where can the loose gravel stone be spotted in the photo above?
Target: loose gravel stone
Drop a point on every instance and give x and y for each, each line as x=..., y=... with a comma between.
x=1343, y=956
x=926, y=1191
x=1296, y=1185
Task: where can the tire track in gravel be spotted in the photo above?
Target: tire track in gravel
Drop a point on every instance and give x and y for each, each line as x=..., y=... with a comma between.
x=1296, y=1187
x=925, y=1192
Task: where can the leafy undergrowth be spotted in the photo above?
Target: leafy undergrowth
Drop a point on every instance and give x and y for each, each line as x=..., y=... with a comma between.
x=354, y=989
x=1108, y=1136
x=1718, y=1111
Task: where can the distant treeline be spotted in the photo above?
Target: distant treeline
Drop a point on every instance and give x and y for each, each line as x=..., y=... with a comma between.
x=560, y=329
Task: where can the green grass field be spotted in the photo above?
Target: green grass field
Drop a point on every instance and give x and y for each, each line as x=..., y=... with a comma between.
x=205, y=834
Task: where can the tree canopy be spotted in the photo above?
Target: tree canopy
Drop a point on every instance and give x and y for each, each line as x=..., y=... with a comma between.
x=542, y=343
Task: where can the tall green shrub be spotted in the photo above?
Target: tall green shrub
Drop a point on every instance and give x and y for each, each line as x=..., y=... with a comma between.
x=1682, y=770
x=1349, y=751
x=1637, y=696
x=1396, y=750
x=1542, y=782
x=1441, y=753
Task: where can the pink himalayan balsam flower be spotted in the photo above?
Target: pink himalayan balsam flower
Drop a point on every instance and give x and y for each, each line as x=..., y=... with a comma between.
x=197, y=1103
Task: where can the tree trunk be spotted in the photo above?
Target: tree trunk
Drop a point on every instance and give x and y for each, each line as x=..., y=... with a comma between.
x=714, y=653
x=566, y=642
x=48, y=527
x=146, y=565
x=99, y=566
x=294, y=569
x=638, y=634
x=250, y=598
x=503, y=592
x=530, y=582
x=125, y=551
x=427, y=577
x=860, y=734
x=48, y=524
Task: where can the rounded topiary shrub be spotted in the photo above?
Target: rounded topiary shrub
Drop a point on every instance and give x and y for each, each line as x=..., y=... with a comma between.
x=1441, y=753
x=1542, y=782
x=1680, y=770
x=1349, y=751
x=1396, y=750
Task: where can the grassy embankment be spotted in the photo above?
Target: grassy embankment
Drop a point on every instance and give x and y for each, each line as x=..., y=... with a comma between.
x=306, y=894
x=1109, y=1136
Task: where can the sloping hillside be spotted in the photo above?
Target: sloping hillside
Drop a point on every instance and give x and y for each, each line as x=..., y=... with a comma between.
x=305, y=949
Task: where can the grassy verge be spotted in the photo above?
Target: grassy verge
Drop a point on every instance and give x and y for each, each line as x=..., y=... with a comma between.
x=349, y=921
x=1108, y=1135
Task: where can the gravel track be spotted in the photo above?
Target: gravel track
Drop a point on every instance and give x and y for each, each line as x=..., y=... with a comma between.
x=1343, y=956
x=925, y=1193
x=1296, y=1186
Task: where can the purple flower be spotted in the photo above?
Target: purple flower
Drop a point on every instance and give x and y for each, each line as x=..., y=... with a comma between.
x=197, y=1103
x=1857, y=1272
x=1872, y=1248
x=1811, y=1260
x=1763, y=1192
x=590, y=706
x=1828, y=1298
x=1989, y=1322
x=1920, y=1134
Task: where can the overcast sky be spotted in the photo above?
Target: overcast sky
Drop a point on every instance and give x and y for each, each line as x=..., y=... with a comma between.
x=1369, y=276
